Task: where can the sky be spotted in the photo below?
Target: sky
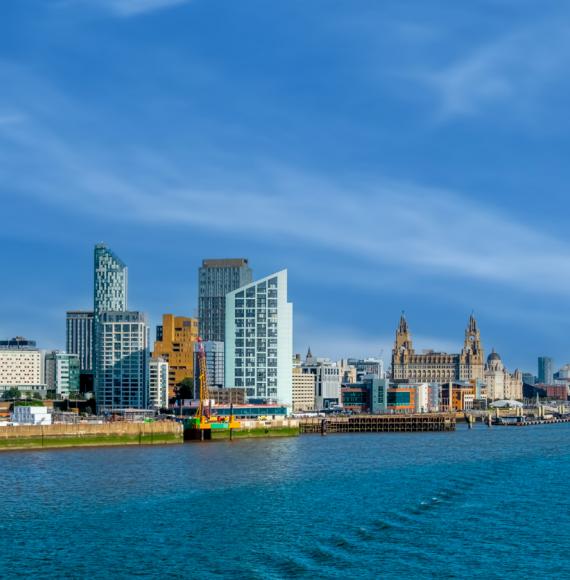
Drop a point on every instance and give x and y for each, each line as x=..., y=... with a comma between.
x=393, y=155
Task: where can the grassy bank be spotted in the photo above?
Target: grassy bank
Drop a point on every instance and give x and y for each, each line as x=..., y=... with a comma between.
x=255, y=433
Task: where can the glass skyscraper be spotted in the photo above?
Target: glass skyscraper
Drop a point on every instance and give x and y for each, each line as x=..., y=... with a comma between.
x=79, y=337
x=216, y=278
x=110, y=292
x=545, y=370
x=259, y=339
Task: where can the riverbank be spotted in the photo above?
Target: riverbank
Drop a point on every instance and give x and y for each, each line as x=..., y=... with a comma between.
x=89, y=435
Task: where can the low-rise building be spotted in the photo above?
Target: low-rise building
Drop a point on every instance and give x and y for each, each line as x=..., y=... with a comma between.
x=356, y=398
x=229, y=396
x=28, y=415
x=62, y=371
x=401, y=399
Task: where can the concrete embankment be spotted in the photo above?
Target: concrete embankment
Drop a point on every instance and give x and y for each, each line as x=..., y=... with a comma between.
x=253, y=429
x=248, y=429
x=89, y=434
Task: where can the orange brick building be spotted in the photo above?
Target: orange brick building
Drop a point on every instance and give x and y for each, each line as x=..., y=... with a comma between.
x=175, y=343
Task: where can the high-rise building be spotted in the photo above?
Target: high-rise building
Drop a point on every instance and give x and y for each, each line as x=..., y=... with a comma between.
x=110, y=288
x=21, y=365
x=216, y=278
x=121, y=362
x=178, y=335
x=431, y=366
x=157, y=383
x=303, y=390
x=62, y=373
x=545, y=370
x=79, y=337
x=214, y=363
x=259, y=339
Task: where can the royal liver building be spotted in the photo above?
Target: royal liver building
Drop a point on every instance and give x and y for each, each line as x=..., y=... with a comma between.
x=437, y=367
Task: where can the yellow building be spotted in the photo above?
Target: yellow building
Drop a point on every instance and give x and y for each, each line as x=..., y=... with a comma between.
x=175, y=341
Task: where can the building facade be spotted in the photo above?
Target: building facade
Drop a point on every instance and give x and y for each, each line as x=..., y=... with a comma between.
x=303, y=390
x=214, y=363
x=545, y=370
x=79, y=337
x=259, y=339
x=216, y=278
x=500, y=383
x=122, y=361
x=440, y=367
x=372, y=367
x=110, y=291
x=178, y=336
x=21, y=365
x=111, y=282
x=62, y=373
x=328, y=380
x=157, y=383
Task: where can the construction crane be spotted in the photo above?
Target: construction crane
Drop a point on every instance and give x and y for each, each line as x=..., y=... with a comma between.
x=202, y=424
x=203, y=413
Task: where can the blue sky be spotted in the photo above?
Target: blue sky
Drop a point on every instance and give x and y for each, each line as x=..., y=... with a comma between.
x=393, y=155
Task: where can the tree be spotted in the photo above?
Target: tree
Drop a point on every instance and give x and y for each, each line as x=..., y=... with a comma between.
x=12, y=393
x=185, y=389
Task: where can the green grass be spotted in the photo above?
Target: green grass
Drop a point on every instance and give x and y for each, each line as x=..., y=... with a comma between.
x=256, y=433
x=89, y=441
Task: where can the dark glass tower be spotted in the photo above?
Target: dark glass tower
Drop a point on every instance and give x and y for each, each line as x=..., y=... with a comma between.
x=216, y=278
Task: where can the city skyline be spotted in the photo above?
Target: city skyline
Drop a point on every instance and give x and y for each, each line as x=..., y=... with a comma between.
x=384, y=352
x=384, y=156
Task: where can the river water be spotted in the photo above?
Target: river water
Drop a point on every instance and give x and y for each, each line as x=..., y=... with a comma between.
x=480, y=503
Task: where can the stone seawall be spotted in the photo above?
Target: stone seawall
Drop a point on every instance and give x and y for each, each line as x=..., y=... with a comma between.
x=89, y=434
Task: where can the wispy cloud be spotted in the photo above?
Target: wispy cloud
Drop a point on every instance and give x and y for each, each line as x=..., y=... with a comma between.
x=126, y=8
x=372, y=220
x=512, y=70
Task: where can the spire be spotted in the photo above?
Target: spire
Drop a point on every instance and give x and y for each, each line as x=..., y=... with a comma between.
x=403, y=326
x=472, y=327
x=309, y=353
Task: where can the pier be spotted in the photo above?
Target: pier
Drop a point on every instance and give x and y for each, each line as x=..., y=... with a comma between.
x=431, y=422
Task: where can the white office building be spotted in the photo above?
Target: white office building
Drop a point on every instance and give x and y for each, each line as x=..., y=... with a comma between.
x=121, y=364
x=157, y=383
x=259, y=339
x=24, y=415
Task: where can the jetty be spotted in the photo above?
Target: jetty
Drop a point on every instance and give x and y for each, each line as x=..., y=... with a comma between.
x=425, y=422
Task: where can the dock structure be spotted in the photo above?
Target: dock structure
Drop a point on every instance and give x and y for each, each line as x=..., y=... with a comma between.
x=427, y=422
